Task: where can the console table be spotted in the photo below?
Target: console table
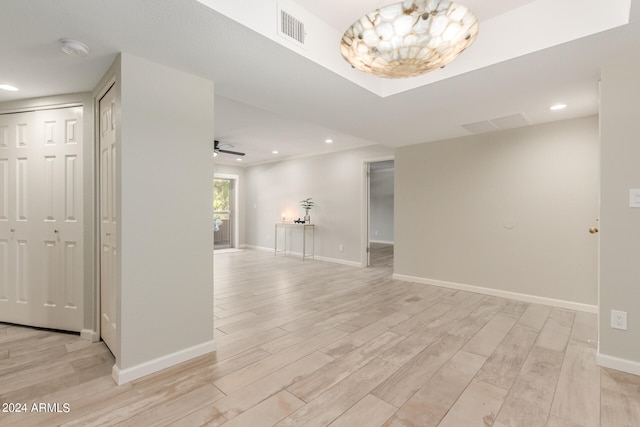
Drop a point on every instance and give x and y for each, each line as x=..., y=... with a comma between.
x=290, y=228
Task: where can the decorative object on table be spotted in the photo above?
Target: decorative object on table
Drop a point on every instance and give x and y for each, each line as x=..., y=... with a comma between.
x=307, y=204
x=409, y=38
x=299, y=221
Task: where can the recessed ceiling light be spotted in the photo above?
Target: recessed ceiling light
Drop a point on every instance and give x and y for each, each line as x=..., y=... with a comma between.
x=274, y=152
x=329, y=141
x=557, y=107
x=9, y=88
x=238, y=159
x=74, y=47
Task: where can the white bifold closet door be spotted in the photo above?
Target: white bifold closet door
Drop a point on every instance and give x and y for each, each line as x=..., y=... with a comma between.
x=41, y=226
x=108, y=221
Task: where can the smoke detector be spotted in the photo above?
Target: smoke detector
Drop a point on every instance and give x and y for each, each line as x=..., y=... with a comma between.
x=74, y=47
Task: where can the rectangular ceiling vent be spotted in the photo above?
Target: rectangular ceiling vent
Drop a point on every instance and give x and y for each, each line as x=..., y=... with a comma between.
x=511, y=122
x=501, y=123
x=480, y=127
x=291, y=28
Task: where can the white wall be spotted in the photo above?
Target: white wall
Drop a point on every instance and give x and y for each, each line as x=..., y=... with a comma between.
x=507, y=211
x=165, y=212
x=334, y=181
x=381, y=204
x=620, y=225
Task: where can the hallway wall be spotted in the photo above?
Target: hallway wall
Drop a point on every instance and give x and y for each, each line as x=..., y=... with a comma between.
x=506, y=211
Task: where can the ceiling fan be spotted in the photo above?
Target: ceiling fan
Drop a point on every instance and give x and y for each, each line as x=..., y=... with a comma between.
x=217, y=149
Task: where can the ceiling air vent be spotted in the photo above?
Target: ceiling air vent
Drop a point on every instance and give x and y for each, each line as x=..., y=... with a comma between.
x=291, y=28
x=480, y=127
x=511, y=122
x=501, y=123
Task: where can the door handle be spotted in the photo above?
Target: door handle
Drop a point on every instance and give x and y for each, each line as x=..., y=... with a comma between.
x=593, y=230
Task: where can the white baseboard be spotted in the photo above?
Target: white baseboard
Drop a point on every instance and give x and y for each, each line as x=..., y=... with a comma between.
x=624, y=365
x=317, y=257
x=386, y=242
x=259, y=248
x=122, y=376
x=503, y=294
x=90, y=335
x=339, y=261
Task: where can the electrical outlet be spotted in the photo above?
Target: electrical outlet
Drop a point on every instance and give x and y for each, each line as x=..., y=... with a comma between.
x=268, y=237
x=341, y=247
x=619, y=319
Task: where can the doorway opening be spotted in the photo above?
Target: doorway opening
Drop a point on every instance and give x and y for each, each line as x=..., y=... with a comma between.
x=379, y=218
x=225, y=224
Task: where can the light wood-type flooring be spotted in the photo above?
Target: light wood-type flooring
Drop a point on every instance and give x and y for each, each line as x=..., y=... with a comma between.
x=381, y=255
x=312, y=344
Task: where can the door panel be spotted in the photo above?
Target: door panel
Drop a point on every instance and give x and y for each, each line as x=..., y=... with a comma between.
x=108, y=240
x=4, y=271
x=4, y=189
x=35, y=185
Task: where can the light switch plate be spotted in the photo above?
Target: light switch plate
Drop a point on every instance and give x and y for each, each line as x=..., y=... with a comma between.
x=634, y=198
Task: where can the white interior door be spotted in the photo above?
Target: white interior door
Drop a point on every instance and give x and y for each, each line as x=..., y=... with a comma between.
x=108, y=220
x=41, y=218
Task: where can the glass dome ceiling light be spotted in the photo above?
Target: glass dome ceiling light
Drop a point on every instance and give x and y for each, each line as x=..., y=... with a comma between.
x=409, y=38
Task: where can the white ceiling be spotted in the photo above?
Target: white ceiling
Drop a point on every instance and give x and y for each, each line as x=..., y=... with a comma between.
x=269, y=97
x=341, y=14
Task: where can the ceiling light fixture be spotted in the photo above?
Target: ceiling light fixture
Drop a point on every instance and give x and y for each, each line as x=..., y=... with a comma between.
x=328, y=141
x=274, y=152
x=558, y=107
x=409, y=38
x=74, y=47
x=9, y=88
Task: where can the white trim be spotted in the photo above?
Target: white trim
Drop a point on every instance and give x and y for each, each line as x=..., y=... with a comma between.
x=259, y=248
x=624, y=365
x=587, y=308
x=90, y=335
x=122, y=376
x=380, y=159
x=365, y=199
x=339, y=261
x=41, y=108
x=386, y=242
x=103, y=89
x=298, y=255
x=391, y=169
